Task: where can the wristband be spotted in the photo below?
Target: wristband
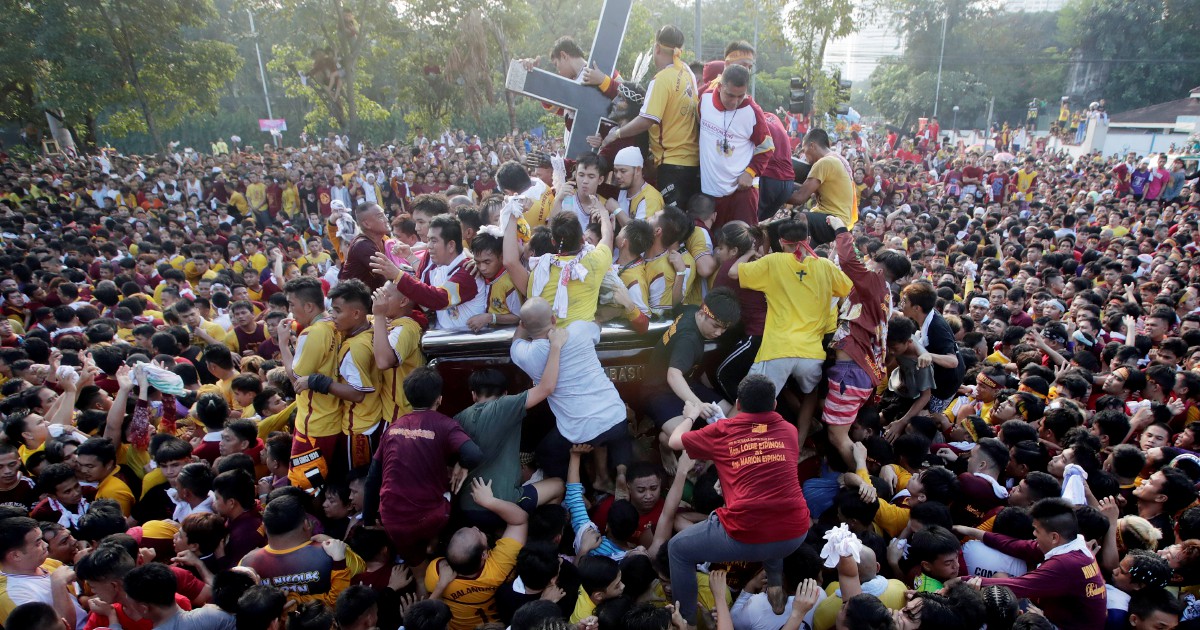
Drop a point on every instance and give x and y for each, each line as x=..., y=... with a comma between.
x=618, y=133
x=396, y=280
x=493, y=319
x=319, y=383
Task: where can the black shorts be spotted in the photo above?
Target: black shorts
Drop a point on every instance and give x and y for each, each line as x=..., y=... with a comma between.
x=663, y=405
x=819, y=232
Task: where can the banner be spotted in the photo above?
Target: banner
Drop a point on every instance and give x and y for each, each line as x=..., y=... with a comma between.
x=272, y=124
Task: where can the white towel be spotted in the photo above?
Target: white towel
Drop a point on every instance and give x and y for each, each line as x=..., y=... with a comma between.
x=571, y=269
x=1073, y=488
x=510, y=211
x=839, y=543
x=1000, y=491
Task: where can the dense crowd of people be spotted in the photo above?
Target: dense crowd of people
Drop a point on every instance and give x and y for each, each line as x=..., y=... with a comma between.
x=917, y=388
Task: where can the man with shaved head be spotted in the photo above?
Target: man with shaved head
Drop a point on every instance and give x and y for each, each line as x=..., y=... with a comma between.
x=585, y=403
x=478, y=571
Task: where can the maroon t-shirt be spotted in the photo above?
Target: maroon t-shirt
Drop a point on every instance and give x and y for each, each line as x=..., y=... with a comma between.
x=756, y=456
x=414, y=452
x=973, y=172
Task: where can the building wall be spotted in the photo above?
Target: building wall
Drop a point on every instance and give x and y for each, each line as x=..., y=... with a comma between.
x=1141, y=142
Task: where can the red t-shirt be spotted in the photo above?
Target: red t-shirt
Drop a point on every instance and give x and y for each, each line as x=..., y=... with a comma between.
x=413, y=453
x=973, y=172
x=645, y=521
x=756, y=455
x=129, y=623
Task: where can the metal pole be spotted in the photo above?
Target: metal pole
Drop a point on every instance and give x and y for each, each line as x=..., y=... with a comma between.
x=937, y=92
x=755, y=48
x=987, y=131
x=699, y=49
x=262, y=73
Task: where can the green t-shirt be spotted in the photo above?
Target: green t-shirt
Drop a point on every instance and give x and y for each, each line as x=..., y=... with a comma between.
x=495, y=426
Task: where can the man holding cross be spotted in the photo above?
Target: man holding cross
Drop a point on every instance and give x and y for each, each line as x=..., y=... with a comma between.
x=570, y=63
x=671, y=103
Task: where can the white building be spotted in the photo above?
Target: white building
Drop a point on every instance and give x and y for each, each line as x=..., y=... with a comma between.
x=1155, y=128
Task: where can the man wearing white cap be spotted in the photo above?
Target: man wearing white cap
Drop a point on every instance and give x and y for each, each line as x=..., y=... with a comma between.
x=735, y=145
x=637, y=199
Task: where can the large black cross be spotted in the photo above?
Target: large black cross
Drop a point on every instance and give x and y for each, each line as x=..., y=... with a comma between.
x=589, y=104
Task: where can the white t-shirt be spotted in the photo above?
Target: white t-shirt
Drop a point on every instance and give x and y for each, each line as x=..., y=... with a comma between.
x=983, y=561
x=753, y=612
x=585, y=402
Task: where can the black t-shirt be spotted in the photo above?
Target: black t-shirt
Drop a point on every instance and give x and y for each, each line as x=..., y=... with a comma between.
x=308, y=199
x=681, y=347
x=23, y=495
x=940, y=340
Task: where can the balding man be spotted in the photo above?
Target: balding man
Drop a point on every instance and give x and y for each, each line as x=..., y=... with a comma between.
x=586, y=405
x=478, y=569
x=890, y=592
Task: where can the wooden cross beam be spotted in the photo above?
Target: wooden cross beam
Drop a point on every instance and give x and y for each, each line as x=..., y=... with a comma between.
x=588, y=103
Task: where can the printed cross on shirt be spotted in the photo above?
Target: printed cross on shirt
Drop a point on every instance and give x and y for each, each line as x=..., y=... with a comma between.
x=589, y=103
x=801, y=274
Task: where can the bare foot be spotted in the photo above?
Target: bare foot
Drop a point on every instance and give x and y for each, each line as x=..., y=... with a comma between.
x=777, y=599
x=670, y=462
x=622, y=490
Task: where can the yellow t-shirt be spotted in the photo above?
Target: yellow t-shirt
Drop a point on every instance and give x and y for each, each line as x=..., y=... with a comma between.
x=503, y=296
x=259, y=262
x=634, y=277
x=652, y=199
x=320, y=261
x=827, y=611
x=213, y=329
x=661, y=278
x=291, y=201
x=256, y=196
x=699, y=244
x=318, y=415
x=404, y=336
x=539, y=213
x=237, y=200
x=152, y=480
x=113, y=488
x=836, y=194
x=799, y=294
x=583, y=297
x=584, y=607
x=672, y=103
x=356, y=368
x=473, y=601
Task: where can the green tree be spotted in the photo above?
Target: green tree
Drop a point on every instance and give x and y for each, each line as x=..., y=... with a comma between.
x=167, y=76
x=1143, y=52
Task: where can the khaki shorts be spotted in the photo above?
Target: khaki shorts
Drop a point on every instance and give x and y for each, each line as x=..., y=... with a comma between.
x=807, y=372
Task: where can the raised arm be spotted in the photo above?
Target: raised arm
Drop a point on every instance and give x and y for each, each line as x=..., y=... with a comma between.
x=516, y=518
x=512, y=258
x=542, y=391
x=665, y=527
x=381, y=345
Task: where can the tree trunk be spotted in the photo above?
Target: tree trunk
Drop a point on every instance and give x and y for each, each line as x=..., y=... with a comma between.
x=88, y=137
x=121, y=45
